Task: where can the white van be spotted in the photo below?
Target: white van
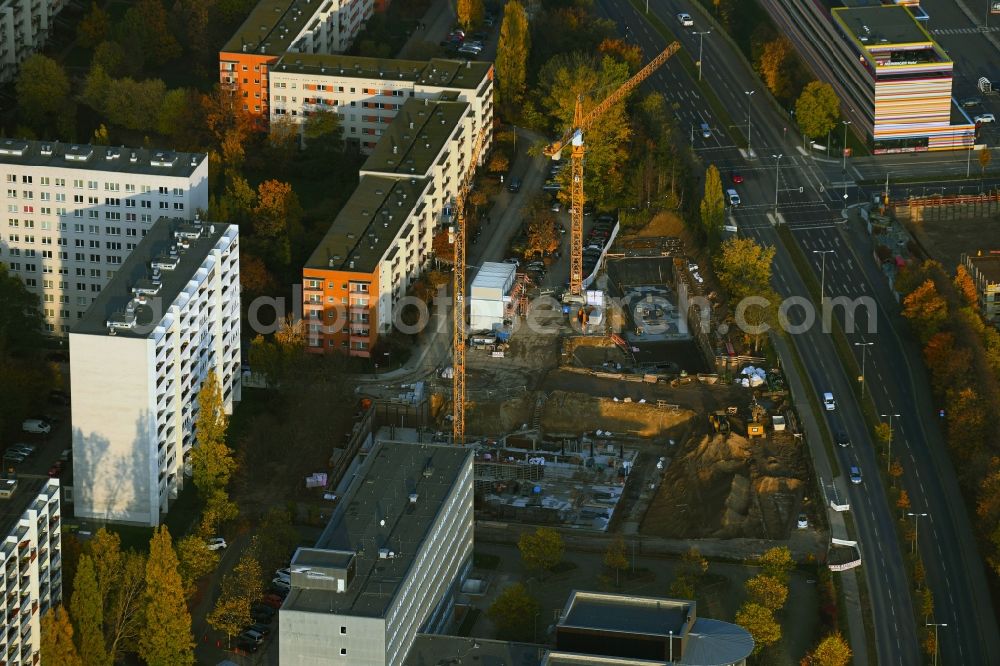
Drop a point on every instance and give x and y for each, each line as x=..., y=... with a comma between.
x=36, y=426
x=733, y=196
x=829, y=402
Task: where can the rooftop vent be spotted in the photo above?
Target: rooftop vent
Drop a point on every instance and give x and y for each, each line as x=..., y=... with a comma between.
x=166, y=262
x=46, y=149
x=78, y=153
x=331, y=263
x=163, y=158
x=350, y=264
x=112, y=153
x=122, y=321
x=11, y=147
x=133, y=157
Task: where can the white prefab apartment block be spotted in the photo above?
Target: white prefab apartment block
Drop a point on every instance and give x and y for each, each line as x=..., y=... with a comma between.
x=30, y=565
x=24, y=27
x=137, y=362
x=367, y=93
x=75, y=212
x=388, y=563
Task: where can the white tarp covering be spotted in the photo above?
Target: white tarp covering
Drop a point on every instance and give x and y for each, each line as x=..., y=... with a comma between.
x=752, y=377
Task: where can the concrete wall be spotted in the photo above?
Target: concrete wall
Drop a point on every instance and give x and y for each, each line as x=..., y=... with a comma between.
x=113, y=423
x=322, y=639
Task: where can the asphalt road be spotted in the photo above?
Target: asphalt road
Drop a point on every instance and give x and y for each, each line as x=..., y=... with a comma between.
x=955, y=571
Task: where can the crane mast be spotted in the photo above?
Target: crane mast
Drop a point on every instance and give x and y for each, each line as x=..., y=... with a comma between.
x=458, y=312
x=574, y=137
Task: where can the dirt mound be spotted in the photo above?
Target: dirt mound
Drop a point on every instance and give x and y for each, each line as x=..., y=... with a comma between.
x=726, y=486
x=494, y=418
x=576, y=413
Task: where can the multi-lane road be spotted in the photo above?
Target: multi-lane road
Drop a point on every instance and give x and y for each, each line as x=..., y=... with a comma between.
x=810, y=198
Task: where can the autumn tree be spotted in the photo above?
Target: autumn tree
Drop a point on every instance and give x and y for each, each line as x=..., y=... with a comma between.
x=323, y=134
x=925, y=309
x=212, y=461
x=470, y=13
x=965, y=286
x=542, y=549
x=512, y=55
x=833, y=650
x=541, y=231
x=166, y=636
x=240, y=589
x=88, y=614
x=690, y=571
x=817, y=109
x=121, y=588
x=768, y=591
x=713, y=207
x=903, y=501
x=968, y=421
x=947, y=364
x=895, y=471
x=93, y=27
x=514, y=613
x=563, y=80
x=499, y=163
x=615, y=557
x=744, y=269
x=777, y=562
x=194, y=560
x=773, y=67
x=219, y=509
x=57, y=645
x=760, y=622
x=276, y=217
x=43, y=97
x=630, y=54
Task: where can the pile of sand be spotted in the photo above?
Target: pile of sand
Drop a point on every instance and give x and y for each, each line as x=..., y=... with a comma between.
x=568, y=413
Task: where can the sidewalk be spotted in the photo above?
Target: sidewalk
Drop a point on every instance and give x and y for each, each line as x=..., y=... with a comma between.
x=435, y=27
x=824, y=474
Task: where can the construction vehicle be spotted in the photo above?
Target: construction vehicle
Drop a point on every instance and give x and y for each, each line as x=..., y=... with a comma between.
x=458, y=290
x=574, y=136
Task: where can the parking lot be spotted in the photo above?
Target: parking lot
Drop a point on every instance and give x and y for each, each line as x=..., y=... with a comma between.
x=45, y=449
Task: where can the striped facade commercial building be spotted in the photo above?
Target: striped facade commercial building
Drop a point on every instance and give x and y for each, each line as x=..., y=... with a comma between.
x=905, y=81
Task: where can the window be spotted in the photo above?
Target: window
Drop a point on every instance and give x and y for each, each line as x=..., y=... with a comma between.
x=178, y=205
x=93, y=201
x=26, y=179
x=78, y=184
x=112, y=201
x=130, y=203
x=163, y=191
x=60, y=196
x=343, y=630
x=27, y=194
x=343, y=650
x=11, y=178
x=11, y=194
x=147, y=204
x=91, y=184
x=111, y=187
x=178, y=192
x=60, y=182
x=129, y=187
x=44, y=196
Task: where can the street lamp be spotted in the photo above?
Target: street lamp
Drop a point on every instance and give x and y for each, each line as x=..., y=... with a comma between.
x=777, y=163
x=968, y=159
x=916, y=527
x=844, y=164
x=822, y=279
x=749, y=94
x=864, y=348
x=890, y=417
x=936, y=625
x=388, y=360
x=701, y=42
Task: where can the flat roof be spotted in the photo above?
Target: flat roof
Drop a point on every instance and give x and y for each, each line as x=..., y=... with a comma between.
x=416, y=137
x=493, y=275
x=435, y=72
x=618, y=612
x=56, y=154
x=988, y=266
x=271, y=26
x=368, y=224
x=136, y=271
x=435, y=649
x=376, y=512
x=882, y=25
x=12, y=508
x=576, y=659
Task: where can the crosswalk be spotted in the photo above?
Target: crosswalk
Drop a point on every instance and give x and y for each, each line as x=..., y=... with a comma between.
x=964, y=31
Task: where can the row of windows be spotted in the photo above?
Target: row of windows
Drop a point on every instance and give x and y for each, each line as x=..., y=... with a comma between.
x=78, y=184
x=77, y=228
x=64, y=256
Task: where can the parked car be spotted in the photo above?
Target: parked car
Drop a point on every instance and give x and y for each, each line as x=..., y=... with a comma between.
x=985, y=118
x=512, y=260
x=803, y=522
x=272, y=600
x=262, y=613
x=855, y=474
x=36, y=426
x=66, y=455
x=216, y=543
x=14, y=457
x=57, y=397
x=685, y=20
x=706, y=131
x=55, y=470
x=969, y=102
x=251, y=635
x=552, y=186
x=733, y=197
x=247, y=645
x=556, y=207
x=261, y=629
x=26, y=449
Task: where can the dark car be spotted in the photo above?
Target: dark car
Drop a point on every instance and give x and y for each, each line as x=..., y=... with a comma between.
x=247, y=645
x=480, y=36
x=57, y=397
x=841, y=438
x=970, y=102
x=272, y=600
x=55, y=470
x=261, y=629
x=262, y=613
x=514, y=185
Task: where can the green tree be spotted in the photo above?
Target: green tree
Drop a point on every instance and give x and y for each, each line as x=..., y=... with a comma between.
x=240, y=589
x=276, y=538
x=744, y=267
x=57, y=645
x=831, y=651
x=212, y=461
x=94, y=27
x=126, y=604
x=110, y=56
x=135, y=105
x=194, y=561
x=145, y=33
x=759, y=621
x=20, y=315
x=571, y=76
x=88, y=614
x=470, y=13
x=690, y=571
x=767, y=591
x=43, y=96
x=817, y=109
x=615, y=557
x=166, y=636
x=541, y=550
x=514, y=613
x=513, y=50
x=323, y=134
x=713, y=207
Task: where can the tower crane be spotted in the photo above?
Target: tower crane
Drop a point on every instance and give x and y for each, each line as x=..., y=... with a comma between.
x=574, y=137
x=458, y=291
